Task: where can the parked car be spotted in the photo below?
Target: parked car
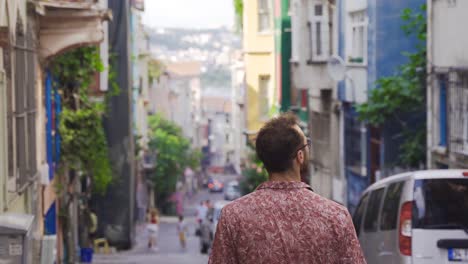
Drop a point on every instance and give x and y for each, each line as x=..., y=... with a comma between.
x=216, y=186
x=417, y=217
x=232, y=191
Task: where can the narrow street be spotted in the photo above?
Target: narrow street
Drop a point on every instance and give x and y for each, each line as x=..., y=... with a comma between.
x=170, y=251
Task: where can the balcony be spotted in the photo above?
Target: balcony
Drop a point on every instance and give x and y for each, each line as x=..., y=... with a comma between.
x=66, y=24
x=71, y=4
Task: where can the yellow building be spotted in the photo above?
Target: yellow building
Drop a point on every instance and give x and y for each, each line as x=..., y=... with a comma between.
x=259, y=57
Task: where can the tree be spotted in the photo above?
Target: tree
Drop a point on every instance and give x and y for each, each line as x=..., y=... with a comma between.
x=173, y=156
x=254, y=174
x=399, y=97
x=239, y=11
x=84, y=149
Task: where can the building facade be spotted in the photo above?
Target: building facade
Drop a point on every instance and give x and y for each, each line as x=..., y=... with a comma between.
x=260, y=62
x=314, y=40
x=238, y=116
x=31, y=33
x=185, y=90
x=366, y=28
x=447, y=92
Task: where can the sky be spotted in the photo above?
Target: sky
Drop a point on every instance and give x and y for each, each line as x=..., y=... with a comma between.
x=189, y=13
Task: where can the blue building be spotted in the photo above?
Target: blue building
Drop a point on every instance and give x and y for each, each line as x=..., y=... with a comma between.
x=371, y=42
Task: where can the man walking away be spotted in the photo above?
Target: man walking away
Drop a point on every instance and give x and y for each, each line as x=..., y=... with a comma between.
x=283, y=220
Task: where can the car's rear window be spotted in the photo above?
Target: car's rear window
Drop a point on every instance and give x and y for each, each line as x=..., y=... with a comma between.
x=441, y=204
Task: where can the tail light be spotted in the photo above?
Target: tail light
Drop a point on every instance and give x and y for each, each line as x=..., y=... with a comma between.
x=210, y=186
x=404, y=235
x=465, y=173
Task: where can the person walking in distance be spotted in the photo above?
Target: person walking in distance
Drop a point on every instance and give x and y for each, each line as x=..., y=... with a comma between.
x=182, y=230
x=153, y=228
x=283, y=220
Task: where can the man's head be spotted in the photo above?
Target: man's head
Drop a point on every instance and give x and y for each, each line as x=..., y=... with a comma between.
x=282, y=146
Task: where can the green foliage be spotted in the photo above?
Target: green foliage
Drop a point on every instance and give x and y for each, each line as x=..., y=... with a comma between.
x=239, y=10
x=173, y=154
x=84, y=147
x=403, y=94
x=254, y=174
x=155, y=69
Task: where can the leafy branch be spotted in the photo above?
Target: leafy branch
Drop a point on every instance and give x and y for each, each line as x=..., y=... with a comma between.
x=84, y=145
x=239, y=11
x=173, y=156
x=397, y=97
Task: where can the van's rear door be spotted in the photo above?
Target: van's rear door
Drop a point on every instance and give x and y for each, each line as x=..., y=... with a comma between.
x=440, y=221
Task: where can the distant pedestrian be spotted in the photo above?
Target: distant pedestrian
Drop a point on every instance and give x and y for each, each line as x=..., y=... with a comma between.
x=209, y=210
x=202, y=209
x=206, y=235
x=182, y=231
x=283, y=220
x=153, y=228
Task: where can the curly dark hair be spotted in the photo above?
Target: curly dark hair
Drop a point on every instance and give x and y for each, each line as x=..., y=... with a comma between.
x=277, y=141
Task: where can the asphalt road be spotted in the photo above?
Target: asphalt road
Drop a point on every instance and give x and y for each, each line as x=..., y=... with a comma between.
x=170, y=251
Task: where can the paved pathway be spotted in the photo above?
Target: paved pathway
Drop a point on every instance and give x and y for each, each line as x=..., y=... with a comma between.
x=170, y=251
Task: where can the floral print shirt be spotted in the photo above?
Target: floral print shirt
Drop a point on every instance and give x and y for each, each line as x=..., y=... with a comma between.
x=285, y=222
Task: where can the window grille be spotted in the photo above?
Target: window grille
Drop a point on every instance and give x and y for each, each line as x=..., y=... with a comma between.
x=21, y=117
x=458, y=110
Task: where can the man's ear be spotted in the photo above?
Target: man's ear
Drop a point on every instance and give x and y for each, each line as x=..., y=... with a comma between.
x=300, y=156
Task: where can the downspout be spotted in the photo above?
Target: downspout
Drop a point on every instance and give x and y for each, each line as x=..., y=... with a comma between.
x=429, y=99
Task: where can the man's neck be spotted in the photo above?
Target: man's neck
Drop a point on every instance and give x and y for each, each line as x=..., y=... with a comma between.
x=288, y=176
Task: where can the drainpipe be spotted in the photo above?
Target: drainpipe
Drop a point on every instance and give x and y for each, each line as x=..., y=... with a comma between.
x=429, y=83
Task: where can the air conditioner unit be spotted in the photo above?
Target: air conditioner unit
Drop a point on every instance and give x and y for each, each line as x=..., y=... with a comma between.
x=49, y=249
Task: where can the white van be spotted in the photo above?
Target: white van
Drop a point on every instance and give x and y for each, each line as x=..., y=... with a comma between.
x=417, y=217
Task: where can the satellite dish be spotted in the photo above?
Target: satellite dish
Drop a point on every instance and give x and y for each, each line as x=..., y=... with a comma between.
x=336, y=68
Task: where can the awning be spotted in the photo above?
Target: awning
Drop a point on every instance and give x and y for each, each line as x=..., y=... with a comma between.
x=65, y=25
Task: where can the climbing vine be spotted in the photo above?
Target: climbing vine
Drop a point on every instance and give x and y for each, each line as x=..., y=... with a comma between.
x=239, y=11
x=396, y=98
x=84, y=146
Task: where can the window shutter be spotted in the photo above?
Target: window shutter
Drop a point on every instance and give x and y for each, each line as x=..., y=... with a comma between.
x=320, y=31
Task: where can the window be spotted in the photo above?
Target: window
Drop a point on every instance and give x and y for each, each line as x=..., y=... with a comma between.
x=357, y=217
x=21, y=105
x=264, y=84
x=442, y=110
x=466, y=131
x=440, y=204
x=458, y=107
x=391, y=206
x=372, y=213
x=319, y=28
x=358, y=37
x=264, y=15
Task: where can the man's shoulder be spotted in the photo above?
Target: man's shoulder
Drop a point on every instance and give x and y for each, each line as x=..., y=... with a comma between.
x=329, y=206
x=240, y=205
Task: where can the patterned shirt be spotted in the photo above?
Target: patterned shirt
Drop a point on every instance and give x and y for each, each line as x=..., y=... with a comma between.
x=285, y=222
